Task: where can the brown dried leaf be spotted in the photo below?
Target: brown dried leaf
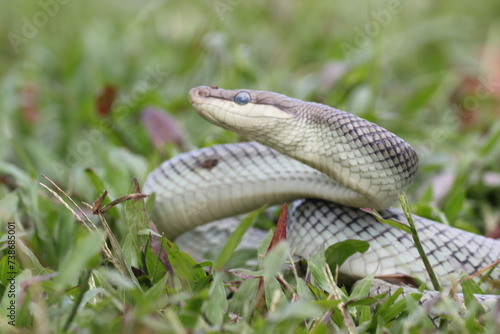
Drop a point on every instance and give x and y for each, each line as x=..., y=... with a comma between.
x=482, y=270
x=156, y=246
x=136, y=186
x=98, y=203
x=280, y=231
x=400, y=279
x=161, y=128
x=120, y=200
x=495, y=233
x=104, y=100
x=30, y=103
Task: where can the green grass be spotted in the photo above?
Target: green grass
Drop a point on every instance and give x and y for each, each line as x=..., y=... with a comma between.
x=425, y=70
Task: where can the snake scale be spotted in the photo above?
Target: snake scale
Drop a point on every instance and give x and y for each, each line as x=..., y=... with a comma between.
x=330, y=163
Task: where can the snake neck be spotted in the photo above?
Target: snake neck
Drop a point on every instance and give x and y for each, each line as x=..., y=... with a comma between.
x=360, y=155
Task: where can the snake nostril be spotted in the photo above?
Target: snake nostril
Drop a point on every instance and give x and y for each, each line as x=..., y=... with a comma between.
x=197, y=93
x=203, y=92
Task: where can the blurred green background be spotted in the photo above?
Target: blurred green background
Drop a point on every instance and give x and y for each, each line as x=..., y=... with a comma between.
x=75, y=77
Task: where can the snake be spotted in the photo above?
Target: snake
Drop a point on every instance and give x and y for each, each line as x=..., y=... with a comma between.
x=329, y=164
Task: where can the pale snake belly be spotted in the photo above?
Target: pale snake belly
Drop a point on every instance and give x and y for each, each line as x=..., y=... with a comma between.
x=338, y=160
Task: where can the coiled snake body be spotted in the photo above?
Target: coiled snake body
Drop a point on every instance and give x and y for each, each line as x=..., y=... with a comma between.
x=309, y=150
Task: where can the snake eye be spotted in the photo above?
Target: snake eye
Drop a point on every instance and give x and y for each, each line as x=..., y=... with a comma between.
x=242, y=98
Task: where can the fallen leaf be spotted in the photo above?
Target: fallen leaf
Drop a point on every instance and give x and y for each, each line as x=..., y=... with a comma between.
x=156, y=246
x=399, y=279
x=495, y=233
x=161, y=128
x=104, y=100
x=280, y=231
x=30, y=103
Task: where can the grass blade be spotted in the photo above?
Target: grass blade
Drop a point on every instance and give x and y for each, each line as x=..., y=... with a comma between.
x=416, y=239
x=235, y=239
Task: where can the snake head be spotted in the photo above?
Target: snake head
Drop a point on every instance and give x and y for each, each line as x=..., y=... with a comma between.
x=241, y=109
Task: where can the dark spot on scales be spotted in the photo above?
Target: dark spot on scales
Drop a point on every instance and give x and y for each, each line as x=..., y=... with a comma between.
x=209, y=163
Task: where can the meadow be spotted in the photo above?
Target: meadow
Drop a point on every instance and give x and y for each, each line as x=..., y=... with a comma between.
x=84, y=90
